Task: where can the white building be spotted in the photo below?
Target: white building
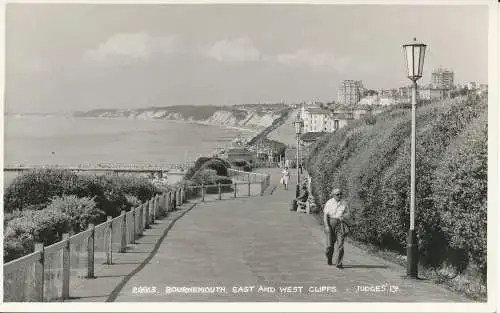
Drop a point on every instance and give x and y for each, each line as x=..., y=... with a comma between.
x=322, y=120
x=370, y=100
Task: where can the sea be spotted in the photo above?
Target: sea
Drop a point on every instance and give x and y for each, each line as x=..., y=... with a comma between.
x=69, y=141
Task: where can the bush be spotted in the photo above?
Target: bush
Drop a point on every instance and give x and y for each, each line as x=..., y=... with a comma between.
x=34, y=190
x=460, y=193
x=37, y=187
x=45, y=226
x=217, y=164
x=133, y=201
x=139, y=187
x=105, y=190
x=80, y=211
x=43, y=204
x=243, y=165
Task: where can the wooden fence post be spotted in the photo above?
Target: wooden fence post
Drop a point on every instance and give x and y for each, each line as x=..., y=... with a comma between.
x=262, y=188
x=161, y=200
x=174, y=200
x=183, y=194
x=90, y=252
x=235, y=190
x=109, y=241
x=159, y=206
x=179, y=196
x=249, y=187
x=167, y=202
x=202, y=192
x=123, y=233
x=146, y=215
x=65, y=267
x=153, y=210
x=220, y=192
x=39, y=273
x=132, y=240
x=141, y=212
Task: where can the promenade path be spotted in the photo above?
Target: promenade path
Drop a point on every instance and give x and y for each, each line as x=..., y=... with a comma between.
x=245, y=242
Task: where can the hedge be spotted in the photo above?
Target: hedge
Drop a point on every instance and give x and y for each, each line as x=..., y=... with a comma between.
x=460, y=193
x=217, y=164
x=35, y=189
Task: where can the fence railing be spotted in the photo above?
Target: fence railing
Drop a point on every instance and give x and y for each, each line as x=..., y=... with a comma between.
x=265, y=164
x=250, y=177
x=48, y=273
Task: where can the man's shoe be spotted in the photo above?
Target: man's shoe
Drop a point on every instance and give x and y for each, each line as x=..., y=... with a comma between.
x=340, y=266
x=330, y=262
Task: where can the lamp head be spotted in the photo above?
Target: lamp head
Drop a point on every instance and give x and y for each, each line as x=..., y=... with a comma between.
x=414, y=57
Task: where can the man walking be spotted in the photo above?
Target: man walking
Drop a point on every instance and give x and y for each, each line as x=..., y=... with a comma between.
x=336, y=229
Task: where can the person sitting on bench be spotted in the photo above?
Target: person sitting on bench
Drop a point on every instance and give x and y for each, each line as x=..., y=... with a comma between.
x=302, y=199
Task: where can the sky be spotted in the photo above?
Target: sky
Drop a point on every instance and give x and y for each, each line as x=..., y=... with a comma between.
x=64, y=58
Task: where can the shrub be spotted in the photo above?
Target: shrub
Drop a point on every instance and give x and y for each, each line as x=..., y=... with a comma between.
x=217, y=164
x=37, y=187
x=21, y=233
x=133, y=201
x=80, y=211
x=460, y=193
x=139, y=187
x=34, y=190
x=243, y=165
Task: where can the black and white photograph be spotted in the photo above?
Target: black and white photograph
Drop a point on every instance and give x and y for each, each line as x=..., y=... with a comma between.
x=206, y=156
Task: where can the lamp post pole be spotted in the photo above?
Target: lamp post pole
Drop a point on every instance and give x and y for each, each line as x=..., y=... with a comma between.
x=297, y=190
x=412, y=251
x=415, y=53
x=299, y=124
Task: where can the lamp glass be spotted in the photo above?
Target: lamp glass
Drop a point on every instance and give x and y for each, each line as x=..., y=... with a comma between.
x=409, y=60
x=421, y=61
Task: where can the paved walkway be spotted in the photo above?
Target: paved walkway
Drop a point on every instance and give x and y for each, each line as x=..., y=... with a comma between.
x=251, y=249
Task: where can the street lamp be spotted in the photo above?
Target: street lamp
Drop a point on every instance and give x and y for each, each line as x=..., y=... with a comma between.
x=299, y=124
x=414, y=55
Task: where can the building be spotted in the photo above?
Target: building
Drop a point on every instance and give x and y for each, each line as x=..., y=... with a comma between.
x=430, y=93
x=388, y=93
x=442, y=79
x=350, y=91
x=325, y=120
x=239, y=154
x=369, y=100
x=386, y=101
x=472, y=86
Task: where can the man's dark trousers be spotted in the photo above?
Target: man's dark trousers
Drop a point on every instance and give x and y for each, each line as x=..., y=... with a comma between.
x=335, y=234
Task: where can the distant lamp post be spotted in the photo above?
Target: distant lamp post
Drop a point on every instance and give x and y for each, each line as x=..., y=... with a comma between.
x=414, y=55
x=299, y=125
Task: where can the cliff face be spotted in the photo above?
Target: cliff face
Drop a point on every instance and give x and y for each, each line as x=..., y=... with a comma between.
x=251, y=117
